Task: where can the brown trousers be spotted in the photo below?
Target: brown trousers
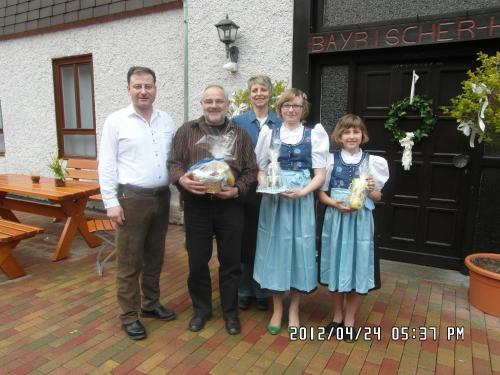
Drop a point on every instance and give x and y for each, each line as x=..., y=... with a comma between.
x=140, y=249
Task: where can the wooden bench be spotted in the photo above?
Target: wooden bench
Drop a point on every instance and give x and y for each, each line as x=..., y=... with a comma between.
x=86, y=170
x=11, y=233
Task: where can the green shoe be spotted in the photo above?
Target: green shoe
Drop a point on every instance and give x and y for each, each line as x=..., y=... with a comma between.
x=273, y=330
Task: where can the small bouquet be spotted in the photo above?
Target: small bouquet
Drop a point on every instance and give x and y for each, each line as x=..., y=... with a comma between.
x=272, y=183
x=359, y=187
x=214, y=172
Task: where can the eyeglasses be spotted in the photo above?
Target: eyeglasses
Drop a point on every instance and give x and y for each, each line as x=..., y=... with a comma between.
x=212, y=101
x=295, y=107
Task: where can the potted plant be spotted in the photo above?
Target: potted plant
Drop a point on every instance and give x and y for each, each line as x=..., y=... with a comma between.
x=484, y=282
x=477, y=107
x=58, y=168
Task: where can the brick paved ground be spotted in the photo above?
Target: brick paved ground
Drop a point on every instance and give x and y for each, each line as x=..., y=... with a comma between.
x=62, y=318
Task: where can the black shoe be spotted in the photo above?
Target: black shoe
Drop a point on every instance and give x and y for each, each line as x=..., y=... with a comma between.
x=135, y=330
x=350, y=334
x=333, y=327
x=233, y=326
x=197, y=323
x=262, y=304
x=244, y=302
x=159, y=313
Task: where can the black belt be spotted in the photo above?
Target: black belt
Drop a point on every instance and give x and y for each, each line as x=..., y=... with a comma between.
x=122, y=189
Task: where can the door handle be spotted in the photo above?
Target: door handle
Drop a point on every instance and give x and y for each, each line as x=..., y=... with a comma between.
x=461, y=161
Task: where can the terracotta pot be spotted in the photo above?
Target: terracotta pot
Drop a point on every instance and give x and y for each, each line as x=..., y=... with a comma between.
x=59, y=182
x=484, y=286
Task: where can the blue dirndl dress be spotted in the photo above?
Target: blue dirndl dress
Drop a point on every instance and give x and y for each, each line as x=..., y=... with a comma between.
x=286, y=246
x=347, y=249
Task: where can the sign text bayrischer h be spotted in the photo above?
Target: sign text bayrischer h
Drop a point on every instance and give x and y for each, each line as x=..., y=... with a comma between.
x=426, y=32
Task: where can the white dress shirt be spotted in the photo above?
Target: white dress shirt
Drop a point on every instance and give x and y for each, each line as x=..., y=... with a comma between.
x=134, y=152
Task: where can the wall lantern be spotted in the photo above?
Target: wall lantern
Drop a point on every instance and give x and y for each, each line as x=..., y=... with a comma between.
x=227, y=30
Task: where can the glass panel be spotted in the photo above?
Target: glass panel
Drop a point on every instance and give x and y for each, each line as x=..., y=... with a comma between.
x=80, y=145
x=68, y=92
x=334, y=86
x=85, y=83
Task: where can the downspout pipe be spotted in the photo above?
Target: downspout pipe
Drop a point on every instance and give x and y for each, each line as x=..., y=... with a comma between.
x=186, y=62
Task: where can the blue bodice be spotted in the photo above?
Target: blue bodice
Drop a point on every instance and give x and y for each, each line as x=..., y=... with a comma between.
x=298, y=156
x=343, y=173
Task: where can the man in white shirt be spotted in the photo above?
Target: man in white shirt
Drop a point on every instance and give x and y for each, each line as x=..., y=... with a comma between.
x=133, y=175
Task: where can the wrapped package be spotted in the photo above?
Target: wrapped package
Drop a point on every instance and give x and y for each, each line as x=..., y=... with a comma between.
x=273, y=175
x=359, y=187
x=214, y=172
x=272, y=183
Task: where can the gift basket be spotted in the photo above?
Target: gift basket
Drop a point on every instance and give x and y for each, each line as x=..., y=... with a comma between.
x=359, y=186
x=272, y=184
x=214, y=172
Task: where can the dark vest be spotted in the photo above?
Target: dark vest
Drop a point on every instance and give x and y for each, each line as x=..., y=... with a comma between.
x=298, y=156
x=343, y=173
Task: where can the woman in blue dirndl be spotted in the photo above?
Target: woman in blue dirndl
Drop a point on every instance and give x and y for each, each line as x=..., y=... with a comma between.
x=347, y=249
x=286, y=245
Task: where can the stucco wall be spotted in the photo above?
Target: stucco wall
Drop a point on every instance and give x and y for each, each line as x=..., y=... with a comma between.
x=264, y=40
x=26, y=84
x=155, y=40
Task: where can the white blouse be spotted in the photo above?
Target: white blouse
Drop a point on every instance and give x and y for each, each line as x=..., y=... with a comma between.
x=379, y=169
x=319, y=143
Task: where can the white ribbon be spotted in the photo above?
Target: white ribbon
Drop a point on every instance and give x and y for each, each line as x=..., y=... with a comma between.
x=467, y=128
x=480, y=90
x=407, y=144
x=414, y=79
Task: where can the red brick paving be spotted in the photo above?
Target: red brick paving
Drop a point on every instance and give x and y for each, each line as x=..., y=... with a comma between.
x=62, y=318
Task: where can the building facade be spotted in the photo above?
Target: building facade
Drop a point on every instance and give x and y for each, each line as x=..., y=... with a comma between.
x=63, y=66
x=360, y=57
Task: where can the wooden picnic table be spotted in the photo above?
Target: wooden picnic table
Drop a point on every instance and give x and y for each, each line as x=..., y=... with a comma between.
x=66, y=202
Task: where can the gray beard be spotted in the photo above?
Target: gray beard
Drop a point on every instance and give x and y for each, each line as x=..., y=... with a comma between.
x=208, y=122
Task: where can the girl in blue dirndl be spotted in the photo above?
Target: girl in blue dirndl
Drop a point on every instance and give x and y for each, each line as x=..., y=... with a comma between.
x=347, y=249
x=286, y=247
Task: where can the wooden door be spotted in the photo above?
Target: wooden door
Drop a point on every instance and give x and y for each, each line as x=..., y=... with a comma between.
x=422, y=216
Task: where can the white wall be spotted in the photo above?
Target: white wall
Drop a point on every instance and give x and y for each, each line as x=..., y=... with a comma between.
x=264, y=40
x=155, y=40
x=26, y=80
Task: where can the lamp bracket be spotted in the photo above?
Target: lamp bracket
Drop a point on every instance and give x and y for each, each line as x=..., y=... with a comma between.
x=232, y=53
